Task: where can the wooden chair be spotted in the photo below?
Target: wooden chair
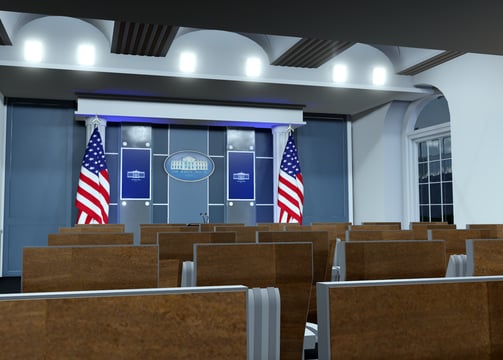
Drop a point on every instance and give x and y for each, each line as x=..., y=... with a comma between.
x=79, y=268
x=442, y=318
x=420, y=229
x=176, y=247
x=287, y=266
x=135, y=324
x=244, y=234
x=93, y=228
x=455, y=239
x=271, y=226
x=148, y=233
x=484, y=257
x=403, y=259
x=385, y=223
x=367, y=235
x=211, y=226
x=90, y=238
x=389, y=226
x=335, y=230
x=497, y=227
x=321, y=256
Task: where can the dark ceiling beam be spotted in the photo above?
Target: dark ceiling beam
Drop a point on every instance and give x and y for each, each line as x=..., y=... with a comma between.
x=130, y=38
x=431, y=62
x=311, y=53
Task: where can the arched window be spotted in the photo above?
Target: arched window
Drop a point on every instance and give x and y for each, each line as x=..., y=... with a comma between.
x=430, y=162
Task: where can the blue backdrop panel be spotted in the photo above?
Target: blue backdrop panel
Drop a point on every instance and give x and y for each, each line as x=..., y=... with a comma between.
x=241, y=175
x=135, y=174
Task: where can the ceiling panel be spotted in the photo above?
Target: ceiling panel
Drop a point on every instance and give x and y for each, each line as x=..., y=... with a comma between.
x=131, y=38
x=311, y=53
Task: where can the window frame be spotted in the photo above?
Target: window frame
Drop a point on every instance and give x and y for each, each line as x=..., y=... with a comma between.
x=413, y=139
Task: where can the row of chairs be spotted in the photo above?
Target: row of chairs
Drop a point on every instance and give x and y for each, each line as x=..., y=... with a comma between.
x=241, y=254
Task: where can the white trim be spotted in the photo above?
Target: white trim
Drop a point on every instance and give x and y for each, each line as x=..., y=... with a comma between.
x=200, y=114
x=3, y=140
x=410, y=138
x=349, y=136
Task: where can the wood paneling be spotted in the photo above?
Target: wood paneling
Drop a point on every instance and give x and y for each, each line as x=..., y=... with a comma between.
x=148, y=234
x=287, y=266
x=378, y=260
x=181, y=245
x=485, y=256
x=190, y=325
x=89, y=268
x=425, y=320
x=365, y=235
x=90, y=238
x=455, y=239
x=93, y=228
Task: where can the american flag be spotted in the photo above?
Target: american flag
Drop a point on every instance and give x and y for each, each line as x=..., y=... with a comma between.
x=93, y=192
x=290, y=186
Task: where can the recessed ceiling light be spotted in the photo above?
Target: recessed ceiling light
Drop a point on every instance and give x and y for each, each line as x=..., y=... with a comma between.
x=187, y=62
x=379, y=76
x=340, y=73
x=33, y=51
x=85, y=54
x=253, y=67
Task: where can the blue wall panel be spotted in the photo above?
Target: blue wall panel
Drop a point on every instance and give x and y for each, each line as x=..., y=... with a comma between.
x=187, y=200
x=39, y=178
x=322, y=147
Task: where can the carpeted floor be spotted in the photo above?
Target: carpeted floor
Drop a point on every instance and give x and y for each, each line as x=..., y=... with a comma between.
x=10, y=284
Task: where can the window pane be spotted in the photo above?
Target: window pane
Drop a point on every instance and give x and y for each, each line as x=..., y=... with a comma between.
x=433, y=150
x=436, y=213
x=422, y=150
x=424, y=197
x=435, y=180
x=446, y=170
x=449, y=214
x=435, y=197
x=424, y=213
x=447, y=192
x=423, y=172
x=435, y=171
x=446, y=147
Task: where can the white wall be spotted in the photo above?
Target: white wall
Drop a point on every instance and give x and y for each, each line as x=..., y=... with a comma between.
x=473, y=87
x=377, y=164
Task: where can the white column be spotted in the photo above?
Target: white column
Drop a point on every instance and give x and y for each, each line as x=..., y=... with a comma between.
x=102, y=125
x=279, y=139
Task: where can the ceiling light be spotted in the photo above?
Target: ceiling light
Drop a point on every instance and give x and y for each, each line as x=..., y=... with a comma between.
x=187, y=62
x=33, y=50
x=253, y=66
x=379, y=76
x=85, y=54
x=339, y=73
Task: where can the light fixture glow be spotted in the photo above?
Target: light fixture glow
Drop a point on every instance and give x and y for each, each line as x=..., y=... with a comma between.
x=85, y=54
x=340, y=73
x=187, y=62
x=379, y=76
x=253, y=67
x=33, y=50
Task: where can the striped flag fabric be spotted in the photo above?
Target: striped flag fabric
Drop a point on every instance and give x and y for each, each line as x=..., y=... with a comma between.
x=93, y=191
x=290, y=185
